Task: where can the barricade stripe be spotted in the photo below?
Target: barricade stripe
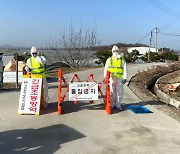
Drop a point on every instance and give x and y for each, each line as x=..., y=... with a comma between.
x=83, y=90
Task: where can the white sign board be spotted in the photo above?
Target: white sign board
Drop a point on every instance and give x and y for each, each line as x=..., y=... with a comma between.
x=11, y=77
x=30, y=96
x=83, y=91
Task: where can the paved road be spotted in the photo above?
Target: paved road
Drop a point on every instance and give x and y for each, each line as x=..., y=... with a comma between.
x=85, y=128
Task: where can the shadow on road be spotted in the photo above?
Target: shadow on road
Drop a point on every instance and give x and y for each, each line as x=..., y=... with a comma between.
x=52, y=107
x=42, y=140
x=51, y=79
x=70, y=107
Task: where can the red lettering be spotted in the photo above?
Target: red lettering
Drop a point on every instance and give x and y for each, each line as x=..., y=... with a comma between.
x=34, y=86
x=34, y=92
x=32, y=109
x=35, y=81
x=34, y=98
x=33, y=104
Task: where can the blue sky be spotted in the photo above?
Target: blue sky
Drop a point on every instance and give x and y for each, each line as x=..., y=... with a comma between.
x=34, y=22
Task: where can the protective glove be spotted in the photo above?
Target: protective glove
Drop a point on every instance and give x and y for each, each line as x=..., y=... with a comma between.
x=28, y=69
x=38, y=58
x=124, y=81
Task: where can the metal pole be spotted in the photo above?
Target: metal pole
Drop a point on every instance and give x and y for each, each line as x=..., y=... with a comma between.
x=17, y=71
x=156, y=39
x=163, y=47
x=149, y=58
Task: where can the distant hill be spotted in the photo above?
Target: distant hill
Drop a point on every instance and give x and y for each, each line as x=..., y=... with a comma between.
x=7, y=46
x=122, y=46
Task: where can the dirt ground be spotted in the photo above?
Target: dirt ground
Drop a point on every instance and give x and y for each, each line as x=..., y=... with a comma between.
x=143, y=80
x=170, y=79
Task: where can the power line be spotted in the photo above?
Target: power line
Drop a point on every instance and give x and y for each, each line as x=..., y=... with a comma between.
x=167, y=11
x=143, y=38
x=169, y=34
x=156, y=31
x=169, y=24
x=164, y=9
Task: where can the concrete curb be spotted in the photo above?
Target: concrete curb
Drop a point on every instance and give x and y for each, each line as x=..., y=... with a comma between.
x=158, y=93
x=164, y=97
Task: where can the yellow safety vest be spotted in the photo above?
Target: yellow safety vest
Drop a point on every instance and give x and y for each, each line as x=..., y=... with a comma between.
x=36, y=67
x=116, y=67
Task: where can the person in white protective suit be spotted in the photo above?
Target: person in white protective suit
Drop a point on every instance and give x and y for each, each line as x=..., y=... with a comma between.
x=118, y=75
x=36, y=65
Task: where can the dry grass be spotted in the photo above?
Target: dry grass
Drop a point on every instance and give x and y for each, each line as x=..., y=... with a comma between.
x=143, y=78
x=169, y=79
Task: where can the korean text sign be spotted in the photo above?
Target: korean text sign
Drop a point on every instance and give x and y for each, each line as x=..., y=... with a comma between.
x=83, y=91
x=30, y=96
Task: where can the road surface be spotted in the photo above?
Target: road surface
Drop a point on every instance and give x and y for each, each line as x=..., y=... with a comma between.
x=86, y=128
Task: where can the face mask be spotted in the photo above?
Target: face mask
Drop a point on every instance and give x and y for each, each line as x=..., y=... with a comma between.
x=34, y=54
x=115, y=54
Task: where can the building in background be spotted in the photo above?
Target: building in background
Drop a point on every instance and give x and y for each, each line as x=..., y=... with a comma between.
x=142, y=50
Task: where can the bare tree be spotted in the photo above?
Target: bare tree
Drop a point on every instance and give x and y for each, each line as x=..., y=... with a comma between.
x=74, y=48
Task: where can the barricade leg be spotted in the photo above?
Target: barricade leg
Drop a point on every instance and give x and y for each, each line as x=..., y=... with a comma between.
x=59, y=108
x=107, y=104
x=59, y=93
x=91, y=102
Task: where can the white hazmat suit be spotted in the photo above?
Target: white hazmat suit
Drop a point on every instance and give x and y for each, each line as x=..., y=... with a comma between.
x=116, y=84
x=42, y=61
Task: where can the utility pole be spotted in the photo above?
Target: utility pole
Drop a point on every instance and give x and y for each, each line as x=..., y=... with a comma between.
x=162, y=47
x=17, y=71
x=149, y=58
x=156, y=30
